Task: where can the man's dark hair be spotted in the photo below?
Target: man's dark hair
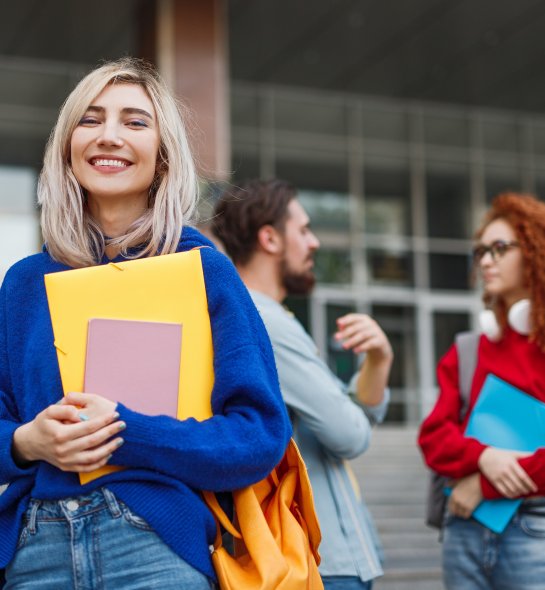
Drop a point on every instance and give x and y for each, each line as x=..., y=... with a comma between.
x=243, y=210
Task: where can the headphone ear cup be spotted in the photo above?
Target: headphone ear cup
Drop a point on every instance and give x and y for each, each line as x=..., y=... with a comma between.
x=489, y=325
x=519, y=316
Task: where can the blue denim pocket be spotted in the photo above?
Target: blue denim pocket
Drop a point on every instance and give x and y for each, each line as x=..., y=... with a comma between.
x=533, y=524
x=134, y=519
x=23, y=536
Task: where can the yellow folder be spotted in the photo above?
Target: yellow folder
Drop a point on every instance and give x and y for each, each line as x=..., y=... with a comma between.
x=166, y=288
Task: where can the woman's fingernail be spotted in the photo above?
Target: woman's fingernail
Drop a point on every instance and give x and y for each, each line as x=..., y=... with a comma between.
x=83, y=417
x=108, y=457
x=119, y=442
x=116, y=415
x=60, y=401
x=122, y=426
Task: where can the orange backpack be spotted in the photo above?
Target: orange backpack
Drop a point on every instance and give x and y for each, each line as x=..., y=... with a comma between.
x=276, y=534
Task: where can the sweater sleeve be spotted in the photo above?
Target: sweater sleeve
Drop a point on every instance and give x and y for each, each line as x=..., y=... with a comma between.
x=534, y=467
x=9, y=416
x=441, y=439
x=250, y=428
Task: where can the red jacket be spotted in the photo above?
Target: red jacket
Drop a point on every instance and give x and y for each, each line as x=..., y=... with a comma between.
x=441, y=438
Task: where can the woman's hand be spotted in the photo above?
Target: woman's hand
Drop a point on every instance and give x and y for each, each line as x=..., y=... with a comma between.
x=502, y=469
x=466, y=495
x=360, y=333
x=61, y=436
x=90, y=405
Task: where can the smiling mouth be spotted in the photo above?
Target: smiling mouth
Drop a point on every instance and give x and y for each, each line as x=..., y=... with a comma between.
x=109, y=163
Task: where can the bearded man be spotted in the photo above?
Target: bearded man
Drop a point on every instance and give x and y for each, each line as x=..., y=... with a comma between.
x=266, y=232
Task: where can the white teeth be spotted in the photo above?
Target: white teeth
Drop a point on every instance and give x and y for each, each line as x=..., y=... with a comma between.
x=117, y=163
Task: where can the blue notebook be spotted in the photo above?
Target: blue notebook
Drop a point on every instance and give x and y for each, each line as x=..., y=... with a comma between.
x=507, y=418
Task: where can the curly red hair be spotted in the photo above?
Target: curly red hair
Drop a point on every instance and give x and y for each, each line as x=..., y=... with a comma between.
x=526, y=215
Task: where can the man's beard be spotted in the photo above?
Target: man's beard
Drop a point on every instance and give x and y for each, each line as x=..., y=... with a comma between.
x=296, y=283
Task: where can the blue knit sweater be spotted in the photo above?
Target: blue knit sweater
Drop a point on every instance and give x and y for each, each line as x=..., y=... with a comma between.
x=166, y=460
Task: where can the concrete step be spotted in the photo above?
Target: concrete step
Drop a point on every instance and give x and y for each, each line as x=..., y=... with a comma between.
x=412, y=575
x=394, y=483
x=408, y=584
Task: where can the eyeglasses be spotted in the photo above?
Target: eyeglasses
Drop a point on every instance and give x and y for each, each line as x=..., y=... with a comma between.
x=497, y=249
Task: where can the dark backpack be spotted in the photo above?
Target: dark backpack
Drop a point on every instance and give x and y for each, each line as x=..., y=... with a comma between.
x=467, y=344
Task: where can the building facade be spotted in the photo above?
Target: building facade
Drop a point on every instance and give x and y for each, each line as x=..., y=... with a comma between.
x=394, y=188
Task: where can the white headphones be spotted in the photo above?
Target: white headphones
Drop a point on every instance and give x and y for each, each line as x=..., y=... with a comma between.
x=518, y=317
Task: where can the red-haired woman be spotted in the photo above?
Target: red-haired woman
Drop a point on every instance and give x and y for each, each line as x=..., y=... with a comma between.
x=510, y=255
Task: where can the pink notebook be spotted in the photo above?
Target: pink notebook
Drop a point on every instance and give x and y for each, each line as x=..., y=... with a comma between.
x=136, y=363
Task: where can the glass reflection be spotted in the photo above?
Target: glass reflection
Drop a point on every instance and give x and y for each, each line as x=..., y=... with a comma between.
x=450, y=271
x=333, y=266
x=390, y=268
x=326, y=209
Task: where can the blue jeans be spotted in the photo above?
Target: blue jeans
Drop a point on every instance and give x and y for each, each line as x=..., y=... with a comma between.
x=345, y=583
x=475, y=558
x=94, y=542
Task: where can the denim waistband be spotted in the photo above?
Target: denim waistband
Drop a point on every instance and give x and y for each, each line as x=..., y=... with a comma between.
x=534, y=505
x=71, y=508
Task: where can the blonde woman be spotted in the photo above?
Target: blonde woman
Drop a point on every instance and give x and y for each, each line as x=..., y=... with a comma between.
x=118, y=182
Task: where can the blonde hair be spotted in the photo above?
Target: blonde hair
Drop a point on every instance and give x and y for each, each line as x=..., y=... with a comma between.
x=71, y=234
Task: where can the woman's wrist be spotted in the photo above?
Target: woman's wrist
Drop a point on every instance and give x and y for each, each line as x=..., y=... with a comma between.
x=20, y=447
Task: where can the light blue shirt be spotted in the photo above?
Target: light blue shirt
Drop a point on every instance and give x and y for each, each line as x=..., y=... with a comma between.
x=329, y=427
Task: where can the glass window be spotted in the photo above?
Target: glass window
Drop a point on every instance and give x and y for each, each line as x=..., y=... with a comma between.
x=332, y=266
x=449, y=129
x=390, y=267
x=245, y=136
x=499, y=180
x=399, y=324
x=448, y=204
x=500, y=134
x=24, y=86
x=446, y=324
x=384, y=124
x=209, y=193
x=19, y=148
x=244, y=108
x=450, y=271
x=318, y=176
x=245, y=166
x=301, y=114
x=322, y=190
x=342, y=362
x=387, y=203
x=540, y=185
x=326, y=209
x=538, y=134
x=300, y=308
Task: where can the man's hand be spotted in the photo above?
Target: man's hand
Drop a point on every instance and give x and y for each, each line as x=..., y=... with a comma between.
x=61, y=436
x=504, y=472
x=360, y=333
x=465, y=496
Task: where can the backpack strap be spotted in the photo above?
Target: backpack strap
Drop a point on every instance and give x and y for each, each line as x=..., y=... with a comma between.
x=467, y=346
x=213, y=504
